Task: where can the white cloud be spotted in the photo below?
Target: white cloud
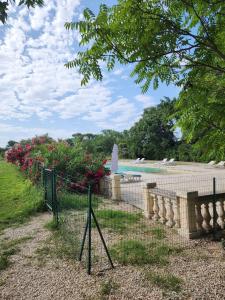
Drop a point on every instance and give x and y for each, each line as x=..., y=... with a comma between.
x=117, y=114
x=34, y=82
x=118, y=71
x=11, y=132
x=146, y=101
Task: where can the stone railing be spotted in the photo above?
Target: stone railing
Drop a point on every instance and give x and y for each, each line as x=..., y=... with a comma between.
x=188, y=212
x=191, y=214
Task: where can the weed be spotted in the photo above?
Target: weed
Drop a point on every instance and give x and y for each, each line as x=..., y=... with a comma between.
x=7, y=249
x=51, y=225
x=107, y=288
x=158, y=233
x=12, y=243
x=2, y=281
x=166, y=282
x=4, y=262
x=44, y=251
x=63, y=243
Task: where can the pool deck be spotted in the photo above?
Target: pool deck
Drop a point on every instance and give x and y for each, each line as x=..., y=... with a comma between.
x=181, y=168
x=185, y=177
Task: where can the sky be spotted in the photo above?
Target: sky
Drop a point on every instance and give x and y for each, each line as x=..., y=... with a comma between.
x=39, y=95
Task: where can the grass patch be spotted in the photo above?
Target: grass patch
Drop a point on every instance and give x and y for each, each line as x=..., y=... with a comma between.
x=42, y=253
x=12, y=243
x=4, y=262
x=107, y=288
x=19, y=198
x=135, y=252
x=117, y=220
x=51, y=225
x=2, y=281
x=158, y=233
x=8, y=249
x=64, y=242
x=75, y=201
x=166, y=282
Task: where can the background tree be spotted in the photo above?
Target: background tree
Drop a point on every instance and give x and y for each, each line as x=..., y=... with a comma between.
x=10, y=144
x=4, y=6
x=179, y=41
x=153, y=135
x=2, y=151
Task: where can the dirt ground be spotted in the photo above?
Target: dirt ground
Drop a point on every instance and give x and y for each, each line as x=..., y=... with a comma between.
x=31, y=276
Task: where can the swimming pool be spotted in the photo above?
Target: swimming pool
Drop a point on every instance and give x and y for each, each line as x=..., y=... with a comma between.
x=122, y=169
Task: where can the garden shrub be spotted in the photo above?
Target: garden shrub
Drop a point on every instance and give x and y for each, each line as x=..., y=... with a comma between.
x=71, y=162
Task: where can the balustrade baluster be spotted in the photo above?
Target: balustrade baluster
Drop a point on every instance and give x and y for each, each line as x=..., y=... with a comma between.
x=199, y=217
x=220, y=210
x=176, y=210
x=155, y=208
x=169, y=213
x=206, y=218
x=162, y=210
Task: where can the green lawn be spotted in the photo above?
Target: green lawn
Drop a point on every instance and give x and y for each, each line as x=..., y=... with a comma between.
x=18, y=197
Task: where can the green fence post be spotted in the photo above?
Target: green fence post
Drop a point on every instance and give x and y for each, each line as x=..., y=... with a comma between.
x=90, y=214
x=54, y=198
x=89, y=229
x=214, y=208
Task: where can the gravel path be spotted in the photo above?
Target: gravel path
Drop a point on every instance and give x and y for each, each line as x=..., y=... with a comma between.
x=201, y=268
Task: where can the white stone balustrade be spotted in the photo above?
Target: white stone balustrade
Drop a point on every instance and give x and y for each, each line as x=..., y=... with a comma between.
x=191, y=214
x=116, y=188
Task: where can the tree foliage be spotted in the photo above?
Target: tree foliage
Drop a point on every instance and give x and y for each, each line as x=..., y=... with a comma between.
x=179, y=41
x=153, y=136
x=4, y=6
x=10, y=144
x=201, y=111
x=163, y=39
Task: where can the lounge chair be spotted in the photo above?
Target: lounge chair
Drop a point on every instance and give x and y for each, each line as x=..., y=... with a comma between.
x=220, y=164
x=142, y=161
x=137, y=161
x=131, y=177
x=211, y=163
x=171, y=162
x=161, y=162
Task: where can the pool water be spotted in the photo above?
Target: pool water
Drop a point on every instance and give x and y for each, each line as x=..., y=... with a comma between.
x=122, y=169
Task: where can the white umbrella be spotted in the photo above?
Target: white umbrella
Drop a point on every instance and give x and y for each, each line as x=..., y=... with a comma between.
x=114, y=163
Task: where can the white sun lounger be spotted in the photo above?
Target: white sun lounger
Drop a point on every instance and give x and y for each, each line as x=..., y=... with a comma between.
x=137, y=161
x=220, y=164
x=132, y=177
x=171, y=162
x=211, y=163
x=129, y=177
x=142, y=160
x=161, y=162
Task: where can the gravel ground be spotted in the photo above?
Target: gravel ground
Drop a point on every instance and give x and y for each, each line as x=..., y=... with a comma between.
x=201, y=268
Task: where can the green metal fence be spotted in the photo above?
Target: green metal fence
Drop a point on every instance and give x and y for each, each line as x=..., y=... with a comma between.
x=99, y=228
x=50, y=194
x=73, y=213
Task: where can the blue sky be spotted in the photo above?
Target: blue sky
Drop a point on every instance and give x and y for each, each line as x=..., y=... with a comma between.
x=39, y=95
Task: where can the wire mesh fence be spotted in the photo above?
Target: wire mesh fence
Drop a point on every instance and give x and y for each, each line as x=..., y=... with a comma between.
x=134, y=223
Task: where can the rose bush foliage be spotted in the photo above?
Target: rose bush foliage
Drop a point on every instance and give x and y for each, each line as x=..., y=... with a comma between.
x=70, y=162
